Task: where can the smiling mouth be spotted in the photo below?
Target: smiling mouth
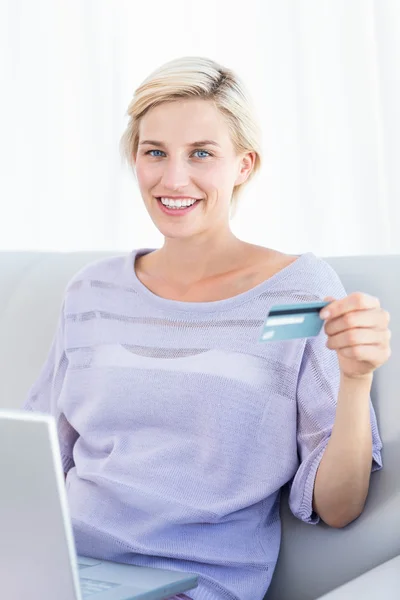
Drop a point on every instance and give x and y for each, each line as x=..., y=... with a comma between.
x=177, y=209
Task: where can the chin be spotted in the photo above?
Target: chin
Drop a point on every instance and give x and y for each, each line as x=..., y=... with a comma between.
x=177, y=233
x=177, y=227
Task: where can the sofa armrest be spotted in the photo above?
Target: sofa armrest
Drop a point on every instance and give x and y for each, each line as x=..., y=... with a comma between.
x=381, y=582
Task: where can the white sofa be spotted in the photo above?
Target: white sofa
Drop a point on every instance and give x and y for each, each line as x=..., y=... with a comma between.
x=313, y=559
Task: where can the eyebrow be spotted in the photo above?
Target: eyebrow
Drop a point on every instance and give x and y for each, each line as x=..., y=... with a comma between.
x=191, y=145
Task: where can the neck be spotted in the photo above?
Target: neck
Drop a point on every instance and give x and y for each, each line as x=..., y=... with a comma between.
x=192, y=260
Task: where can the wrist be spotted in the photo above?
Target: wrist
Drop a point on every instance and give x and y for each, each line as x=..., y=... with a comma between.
x=367, y=378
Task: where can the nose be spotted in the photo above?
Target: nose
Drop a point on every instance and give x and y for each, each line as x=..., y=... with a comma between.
x=175, y=174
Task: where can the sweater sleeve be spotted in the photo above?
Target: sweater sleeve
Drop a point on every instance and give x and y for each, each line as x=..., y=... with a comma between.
x=317, y=391
x=44, y=393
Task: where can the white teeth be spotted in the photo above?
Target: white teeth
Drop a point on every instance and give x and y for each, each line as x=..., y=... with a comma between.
x=177, y=203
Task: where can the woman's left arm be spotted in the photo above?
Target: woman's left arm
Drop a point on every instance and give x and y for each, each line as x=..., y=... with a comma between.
x=356, y=327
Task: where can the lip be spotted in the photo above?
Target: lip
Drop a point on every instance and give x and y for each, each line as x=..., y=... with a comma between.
x=178, y=197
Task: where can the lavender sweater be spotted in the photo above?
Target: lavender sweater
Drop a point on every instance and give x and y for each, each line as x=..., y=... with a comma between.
x=178, y=428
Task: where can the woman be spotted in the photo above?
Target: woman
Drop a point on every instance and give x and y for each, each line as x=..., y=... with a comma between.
x=177, y=427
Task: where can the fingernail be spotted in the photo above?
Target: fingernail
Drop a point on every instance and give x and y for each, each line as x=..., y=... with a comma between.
x=324, y=314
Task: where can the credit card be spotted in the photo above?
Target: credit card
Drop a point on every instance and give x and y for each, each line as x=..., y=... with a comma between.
x=291, y=321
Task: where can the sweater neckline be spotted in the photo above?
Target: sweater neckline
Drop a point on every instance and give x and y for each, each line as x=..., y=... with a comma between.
x=214, y=305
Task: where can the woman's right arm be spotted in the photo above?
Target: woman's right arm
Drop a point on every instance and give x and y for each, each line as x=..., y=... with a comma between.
x=44, y=394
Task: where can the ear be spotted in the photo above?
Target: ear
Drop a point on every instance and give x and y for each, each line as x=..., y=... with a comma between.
x=245, y=167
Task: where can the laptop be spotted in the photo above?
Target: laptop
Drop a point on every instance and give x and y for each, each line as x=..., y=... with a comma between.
x=38, y=559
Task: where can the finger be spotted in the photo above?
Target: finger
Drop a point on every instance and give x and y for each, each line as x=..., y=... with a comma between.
x=372, y=318
x=375, y=355
x=355, y=301
x=357, y=337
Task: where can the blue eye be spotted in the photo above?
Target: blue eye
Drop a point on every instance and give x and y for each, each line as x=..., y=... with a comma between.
x=153, y=151
x=205, y=151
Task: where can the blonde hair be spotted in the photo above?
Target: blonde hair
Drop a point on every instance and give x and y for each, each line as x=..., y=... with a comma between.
x=197, y=77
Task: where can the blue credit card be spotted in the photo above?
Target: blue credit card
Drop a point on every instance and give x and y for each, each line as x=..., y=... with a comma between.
x=290, y=321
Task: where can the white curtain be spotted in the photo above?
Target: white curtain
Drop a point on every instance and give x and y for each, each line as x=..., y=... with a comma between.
x=325, y=78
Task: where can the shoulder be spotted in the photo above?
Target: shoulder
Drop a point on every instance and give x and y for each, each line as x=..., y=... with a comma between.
x=318, y=277
x=107, y=269
x=306, y=272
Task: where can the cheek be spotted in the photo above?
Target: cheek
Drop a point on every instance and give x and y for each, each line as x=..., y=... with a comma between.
x=219, y=180
x=214, y=176
x=144, y=174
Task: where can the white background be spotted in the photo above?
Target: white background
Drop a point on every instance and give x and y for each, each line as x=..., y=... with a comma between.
x=325, y=78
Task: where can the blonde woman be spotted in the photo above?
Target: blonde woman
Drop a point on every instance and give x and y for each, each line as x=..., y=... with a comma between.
x=177, y=427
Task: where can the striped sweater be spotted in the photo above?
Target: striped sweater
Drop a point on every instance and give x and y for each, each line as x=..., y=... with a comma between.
x=178, y=428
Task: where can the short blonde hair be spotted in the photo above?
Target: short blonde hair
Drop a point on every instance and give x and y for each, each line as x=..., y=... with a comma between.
x=197, y=77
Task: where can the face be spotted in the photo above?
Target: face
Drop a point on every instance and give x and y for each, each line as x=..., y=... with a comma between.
x=185, y=153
